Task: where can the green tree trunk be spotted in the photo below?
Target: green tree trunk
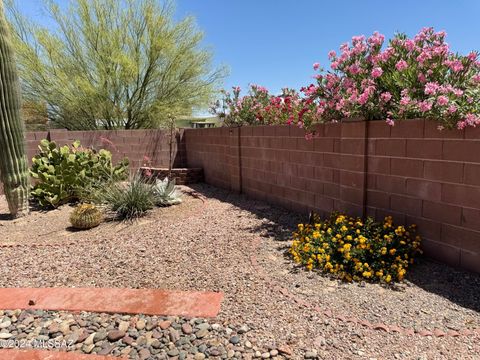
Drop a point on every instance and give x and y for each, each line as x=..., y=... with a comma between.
x=13, y=160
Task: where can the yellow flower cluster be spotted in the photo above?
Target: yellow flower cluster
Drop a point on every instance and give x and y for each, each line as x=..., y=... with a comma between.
x=353, y=250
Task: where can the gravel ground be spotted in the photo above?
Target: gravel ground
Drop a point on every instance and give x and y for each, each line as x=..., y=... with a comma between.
x=52, y=227
x=208, y=247
x=138, y=337
x=433, y=297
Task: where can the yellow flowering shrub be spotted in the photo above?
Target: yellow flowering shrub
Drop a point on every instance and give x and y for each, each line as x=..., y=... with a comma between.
x=353, y=250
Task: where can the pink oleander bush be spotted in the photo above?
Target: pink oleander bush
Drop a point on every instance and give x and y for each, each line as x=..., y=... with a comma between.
x=408, y=78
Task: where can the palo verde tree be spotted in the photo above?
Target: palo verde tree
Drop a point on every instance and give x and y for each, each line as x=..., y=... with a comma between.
x=110, y=64
x=13, y=160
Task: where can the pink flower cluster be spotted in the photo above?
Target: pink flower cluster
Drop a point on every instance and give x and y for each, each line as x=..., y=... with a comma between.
x=406, y=78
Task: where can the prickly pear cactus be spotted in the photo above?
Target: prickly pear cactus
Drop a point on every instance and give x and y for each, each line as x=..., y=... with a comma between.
x=13, y=160
x=86, y=216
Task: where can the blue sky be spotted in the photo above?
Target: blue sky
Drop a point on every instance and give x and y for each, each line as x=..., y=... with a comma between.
x=275, y=42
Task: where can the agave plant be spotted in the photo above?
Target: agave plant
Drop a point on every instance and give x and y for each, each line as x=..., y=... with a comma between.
x=166, y=193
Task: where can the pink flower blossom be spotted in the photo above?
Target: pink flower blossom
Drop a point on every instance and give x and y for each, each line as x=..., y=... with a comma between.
x=409, y=45
x=457, y=92
x=425, y=106
x=362, y=100
x=310, y=90
x=472, y=56
x=386, y=96
x=147, y=172
x=354, y=69
x=431, y=88
x=339, y=106
x=316, y=66
x=442, y=100
x=454, y=65
x=332, y=54
x=390, y=122
x=377, y=72
x=376, y=39
x=405, y=100
x=401, y=65
x=452, y=109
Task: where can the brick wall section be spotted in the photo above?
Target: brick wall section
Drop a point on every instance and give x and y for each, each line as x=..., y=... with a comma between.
x=216, y=151
x=431, y=178
x=411, y=171
x=133, y=144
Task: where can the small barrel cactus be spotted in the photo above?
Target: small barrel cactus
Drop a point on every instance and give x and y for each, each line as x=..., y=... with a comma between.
x=86, y=216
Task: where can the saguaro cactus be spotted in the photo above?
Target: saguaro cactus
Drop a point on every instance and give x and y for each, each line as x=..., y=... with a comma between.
x=13, y=160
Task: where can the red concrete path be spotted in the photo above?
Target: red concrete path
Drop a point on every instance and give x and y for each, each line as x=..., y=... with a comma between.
x=127, y=301
x=48, y=355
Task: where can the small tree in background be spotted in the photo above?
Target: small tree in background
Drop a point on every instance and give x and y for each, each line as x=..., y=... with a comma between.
x=172, y=132
x=13, y=160
x=109, y=64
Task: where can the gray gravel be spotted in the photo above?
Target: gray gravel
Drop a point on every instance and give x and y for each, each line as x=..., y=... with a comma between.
x=138, y=337
x=209, y=248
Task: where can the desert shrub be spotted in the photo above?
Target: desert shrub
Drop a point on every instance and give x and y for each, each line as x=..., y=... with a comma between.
x=86, y=216
x=165, y=193
x=60, y=173
x=407, y=78
x=353, y=250
x=128, y=200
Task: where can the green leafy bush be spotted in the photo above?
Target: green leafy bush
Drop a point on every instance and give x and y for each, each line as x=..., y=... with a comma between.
x=352, y=249
x=128, y=200
x=61, y=173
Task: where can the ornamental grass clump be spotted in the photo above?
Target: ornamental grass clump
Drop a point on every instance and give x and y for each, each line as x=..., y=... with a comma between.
x=355, y=250
x=130, y=200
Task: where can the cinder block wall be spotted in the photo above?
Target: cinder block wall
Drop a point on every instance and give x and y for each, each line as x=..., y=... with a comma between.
x=150, y=147
x=431, y=178
x=411, y=171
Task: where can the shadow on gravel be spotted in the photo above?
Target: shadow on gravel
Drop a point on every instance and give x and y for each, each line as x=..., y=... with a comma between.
x=279, y=223
x=5, y=217
x=458, y=286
